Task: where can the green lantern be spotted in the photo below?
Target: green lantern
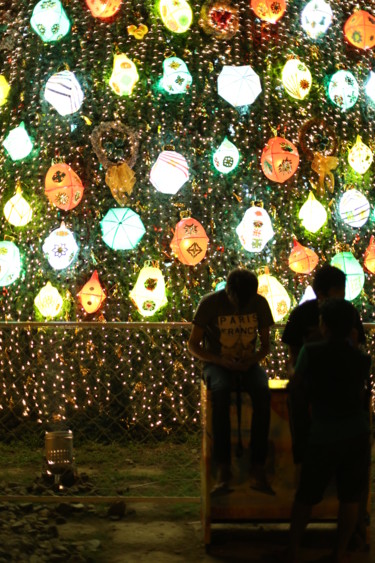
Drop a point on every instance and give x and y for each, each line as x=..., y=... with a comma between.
x=177, y=15
x=18, y=143
x=226, y=157
x=355, y=277
x=50, y=21
x=122, y=228
x=343, y=89
x=176, y=76
x=10, y=262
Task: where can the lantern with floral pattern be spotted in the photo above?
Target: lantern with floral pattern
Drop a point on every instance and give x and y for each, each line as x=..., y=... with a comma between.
x=269, y=10
x=103, y=9
x=359, y=29
x=279, y=159
x=276, y=295
x=92, y=294
x=148, y=294
x=63, y=187
x=190, y=241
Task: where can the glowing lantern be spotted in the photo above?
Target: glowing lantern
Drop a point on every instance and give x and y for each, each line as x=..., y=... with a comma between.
x=49, y=20
x=60, y=248
x=63, y=92
x=316, y=18
x=369, y=257
x=279, y=159
x=124, y=75
x=238, y=85
x=226, y=157
x=103, y=9
x=221, y=284
x=189, y=242
x=63, y=186
x=354, y=208
x=359, y=30
x=170, y=172
x=255, y=229
x=148, y=293
x=17, y=211
x=296, y=78
x=370, y=86
x=355, y=278
x=10, y=262
x=176, y=15
x=18, y=143
x=269, y=10
x=122, y=228
x=302, y=260
x=360, y=156
x=343, y=89
x=92, y=294
x=276, y=295
x=176, y=76
x=4, y=90
x=49, y=301
x=219, y=18
x=312, y=214
x=308, y=295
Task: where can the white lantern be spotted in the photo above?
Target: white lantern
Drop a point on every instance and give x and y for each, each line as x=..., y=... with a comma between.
x=49, y=301
x=17, y=211
x=124, y=75
x=176, y=76
x=276, y=295
x=255, y=229
x=148, y=293
x=170, y=172
x=316, y=18
x=60, y=248
x=308, y=295
x=360, y=156
x=10, y=263
x=343, y=89
x=312, y=214
x=226, y=157
x=296, y=78
x=355, y=277
x=64, y=93
x=370, y=86
x=18, y=143
x=50, y=21
x=354, y=208
x=239, y=85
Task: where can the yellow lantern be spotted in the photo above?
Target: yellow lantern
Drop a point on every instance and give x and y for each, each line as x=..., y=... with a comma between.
x=4, y=90
x=302, y=260
x=49, y=301
x=276, y=295
x=92, y=294
x=360, y=156
x=312, y=214
x=124, y=75
x=177, y=15
x=17, y=211
x=148, y=294
x=296, y=78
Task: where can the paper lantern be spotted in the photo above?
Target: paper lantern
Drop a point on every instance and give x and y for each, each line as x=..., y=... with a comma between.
x=124, y=75
x=359, y=30
x=4, y=90
x=296, y=78
x=60, y=248
x=316, y=18
x=354, y=208
x=176, y=76
x=369, y=257
x=308, y=295
x=189, y=242
x=64, y=93
x=92, y=294
x=176, y=15
x=313, y=214
x=226, y=157
x=302, y=260
x=18, y=143
x=122, y=228
x=238, y=85
x=276, y=295
x=50, y=21
x=370, y=86
x=63, y=187
x=10, y=263
x=148, y=294
x=170, y=172
x=49, y=301
x=343, y=89
x=103, y=9
x=269, y=10
x=360, y=156
x=355, y=277
x=255, y=229
x=279, y=159
x=221, y=284
x=219, y=18
x=17, y=211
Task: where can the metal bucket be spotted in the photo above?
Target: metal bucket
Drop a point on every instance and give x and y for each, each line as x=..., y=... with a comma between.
x=59, y=451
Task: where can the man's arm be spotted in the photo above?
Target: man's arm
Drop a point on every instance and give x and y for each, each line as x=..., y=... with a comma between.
x=197, y=349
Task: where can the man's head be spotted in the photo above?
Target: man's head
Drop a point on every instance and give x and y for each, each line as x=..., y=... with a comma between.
x=241, y=286
x=329, y=282
x=337, y=318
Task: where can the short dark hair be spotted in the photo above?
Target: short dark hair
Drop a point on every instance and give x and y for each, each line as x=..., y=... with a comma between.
x=242, y=285
x=338, y=315
x=328, y=277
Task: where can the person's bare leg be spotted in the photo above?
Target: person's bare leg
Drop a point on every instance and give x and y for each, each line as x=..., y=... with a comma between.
x=346, y=523
x=299, y=519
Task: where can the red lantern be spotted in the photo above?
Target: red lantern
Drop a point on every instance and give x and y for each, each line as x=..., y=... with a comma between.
x=369, y=258
x=359, y=30
x=103, y=9
x=269, y=10
x=279, y=160
x=302, y=260
x=190, y=241
x=92, y=294
x=63, y=186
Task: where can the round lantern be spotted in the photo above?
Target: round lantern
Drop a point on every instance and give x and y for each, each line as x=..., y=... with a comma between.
x=269, y=10
x=369, y=257
x=312, y=214
x=226, y=157
x=148, y=294
x=255, y=229
x=18, y=143
x=189, y=242
x=343, y=89
x=10, y=263
x=124, y=75
x=238, y=85
x=122, y=228
x=92, y=294
x=176, y=15
x=17, y=211
x=354, y=208
x=296, y=78
x=316, y=18
x=360, y=156
x=49, y=301
x=276, y=295
x=103, y=9
x=64, y=93
x=60, y=248
x=4, y=89
x=63, y=186
x=302, y=260
x=219, y=18
x=355, y=278
x=359, y=30
x=170, y=172
x=279, y=159
x=176, y=76
x=50, y=21
x=370, y=86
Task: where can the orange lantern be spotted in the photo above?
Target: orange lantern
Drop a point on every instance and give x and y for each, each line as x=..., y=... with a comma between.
x=190, y=241
x=279, y=159
x=302, y=260
x=269, y=10
x=369, y=258
x=92, y=294
x=63, y=186
x=359, y=30
x=103, y=9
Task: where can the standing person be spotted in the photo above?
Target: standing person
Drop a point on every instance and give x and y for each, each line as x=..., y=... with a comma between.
x=225, y=329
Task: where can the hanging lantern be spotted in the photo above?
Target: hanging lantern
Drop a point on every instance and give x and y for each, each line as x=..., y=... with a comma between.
x=276, y=295
x=302, y=260
x=238, y=85
x=219, y=19
x=122, y=228
x=17, y=211
x=4, y=89
x=10, y=263
x=279, y=159
x=176, y=15
x=308, y=295
x=296, y=78
x=226, y=157
x=343, y=89
x=220, y=284
x=49, y=301
x=50, y=21
x=369, y=257
x=189, y=242
x=170, y=172
x=124, y=75
x=313, y=214
x=63, y=186
x=60, y=248
x=103, y=9
x=18, y=143
x=359, y=30
x=63, y=92
x=148, y=294
x=255, y=229
x=316, y=18
x=354, y=208
x=370, y=86
x=176, y=76
x=92, y=294
x=269, y=10
x=360, y=156
x=355, y=278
